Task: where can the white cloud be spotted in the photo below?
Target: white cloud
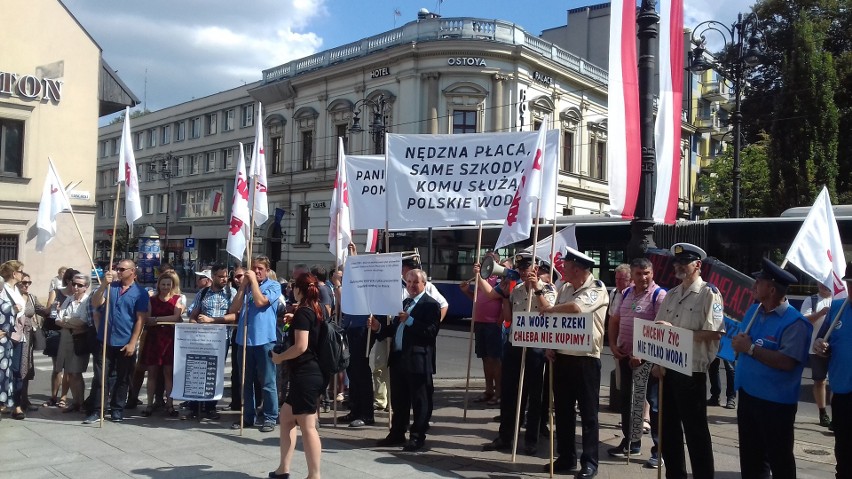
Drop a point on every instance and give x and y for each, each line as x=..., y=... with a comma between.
x=194, y=48
x=723, y=11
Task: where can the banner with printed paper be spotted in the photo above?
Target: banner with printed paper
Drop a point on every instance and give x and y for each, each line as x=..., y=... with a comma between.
x=441, y=180
x=666, y=346
x=199, y=361
x=565, y=332
x=371, y=284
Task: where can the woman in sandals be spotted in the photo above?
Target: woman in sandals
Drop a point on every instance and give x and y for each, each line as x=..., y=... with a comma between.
x=59, y=382
x=158, y=355
x=11, y=341
x=73, y=319
x=34, y=314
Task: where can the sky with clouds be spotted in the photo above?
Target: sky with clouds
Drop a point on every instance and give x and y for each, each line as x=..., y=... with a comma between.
x=171, y=51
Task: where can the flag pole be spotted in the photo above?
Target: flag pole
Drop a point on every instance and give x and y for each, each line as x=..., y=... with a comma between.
x=659, y=426
x=245, y=307
x=106, y=307
x=472, y=318
x=550, y=414
x=388, y=318
x=77, y=224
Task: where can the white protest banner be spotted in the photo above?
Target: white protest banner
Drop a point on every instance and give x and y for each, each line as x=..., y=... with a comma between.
x=371, y=284
x=566, y=332
x=367, y=196
x=199, y=363
x=440, y=180
x=667, y=346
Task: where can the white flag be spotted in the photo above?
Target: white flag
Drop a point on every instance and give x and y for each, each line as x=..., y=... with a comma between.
x=127, y=173
x=53, y=202
x=817, y=249
x=565, y=237
x=258, y=173
x=240, y=217
x=521, y=211
x=340, y=226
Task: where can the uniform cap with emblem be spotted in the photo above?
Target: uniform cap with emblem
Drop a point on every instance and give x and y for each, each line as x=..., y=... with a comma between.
x=523, y=260
x=573, y=255
x=848, y=275
x=773, y=272
x=687, y=253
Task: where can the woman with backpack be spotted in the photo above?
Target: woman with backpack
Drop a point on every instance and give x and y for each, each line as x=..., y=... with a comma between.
x=307, y=381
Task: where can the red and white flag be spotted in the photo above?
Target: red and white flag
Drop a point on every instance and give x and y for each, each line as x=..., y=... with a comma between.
x=339, y=227
x=372, y=241
x=53, y=201
x=260, y=204
x=216, y=201
x=623, y=141
x=667, y=128
x=238, y=232
x=127, y=173
x=522, y=210
x=817, y=249
x=558, y=243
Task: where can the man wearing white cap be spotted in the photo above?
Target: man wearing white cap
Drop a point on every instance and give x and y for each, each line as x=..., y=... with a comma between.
x=579, y=374
x=696, y=305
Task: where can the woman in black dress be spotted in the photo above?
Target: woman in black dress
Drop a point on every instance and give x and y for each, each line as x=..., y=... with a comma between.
x=306, y=379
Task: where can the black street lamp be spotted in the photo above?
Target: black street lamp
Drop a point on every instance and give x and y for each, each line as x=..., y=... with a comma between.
x=742, y=51
x=642, y=226
x=380, y=109
x=161, y=165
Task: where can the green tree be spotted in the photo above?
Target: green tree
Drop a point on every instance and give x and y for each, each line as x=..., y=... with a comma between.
x=805, y=127
x=133, y=114
x=715, y=184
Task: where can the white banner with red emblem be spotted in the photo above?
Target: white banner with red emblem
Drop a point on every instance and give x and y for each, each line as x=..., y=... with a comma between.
x=441, y=180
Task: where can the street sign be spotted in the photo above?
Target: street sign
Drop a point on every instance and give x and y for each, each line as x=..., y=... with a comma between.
x=189, y=243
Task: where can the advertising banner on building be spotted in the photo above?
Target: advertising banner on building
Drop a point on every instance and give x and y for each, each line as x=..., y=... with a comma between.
x=372, y=284
x=566, y=332
x=199, y=362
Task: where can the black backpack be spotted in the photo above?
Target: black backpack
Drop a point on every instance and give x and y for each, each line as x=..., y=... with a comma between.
x=332, y=349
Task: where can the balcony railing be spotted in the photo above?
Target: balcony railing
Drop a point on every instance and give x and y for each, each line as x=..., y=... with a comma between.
x=437, y=30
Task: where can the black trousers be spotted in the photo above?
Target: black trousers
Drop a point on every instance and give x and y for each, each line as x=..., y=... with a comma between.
x=409, y=393
x=684, y=409
x=116, y=363
x=533, y=382
x=716, y=383
x=625, y=394
x=577, y=379
x=766, y=437
x=841, y=409
x=360, y=374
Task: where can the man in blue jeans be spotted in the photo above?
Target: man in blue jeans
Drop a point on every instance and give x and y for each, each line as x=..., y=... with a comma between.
x=257, y=332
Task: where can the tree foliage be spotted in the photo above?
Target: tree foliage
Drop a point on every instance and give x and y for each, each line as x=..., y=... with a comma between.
x=133, y=114
x=715, y=185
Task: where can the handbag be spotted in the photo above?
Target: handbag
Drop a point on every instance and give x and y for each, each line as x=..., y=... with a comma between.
x=51, y=343
x=81, y=344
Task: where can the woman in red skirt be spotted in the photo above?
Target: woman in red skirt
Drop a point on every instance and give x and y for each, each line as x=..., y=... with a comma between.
x=158, y=355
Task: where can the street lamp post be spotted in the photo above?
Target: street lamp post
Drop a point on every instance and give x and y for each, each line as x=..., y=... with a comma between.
x=162, y=166
x=380, y=109
x=742, y=51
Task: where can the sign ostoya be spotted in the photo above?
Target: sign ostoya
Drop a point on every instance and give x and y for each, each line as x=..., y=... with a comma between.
x=667, y=346
x=566, y=332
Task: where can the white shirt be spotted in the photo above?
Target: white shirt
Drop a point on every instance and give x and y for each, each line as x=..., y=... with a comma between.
x=808, y=308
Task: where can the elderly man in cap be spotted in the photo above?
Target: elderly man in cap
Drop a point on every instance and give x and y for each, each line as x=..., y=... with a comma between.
x=539, y=296
x=773, y=351
x=579, y=374
x=838, y=348
x=696, y=305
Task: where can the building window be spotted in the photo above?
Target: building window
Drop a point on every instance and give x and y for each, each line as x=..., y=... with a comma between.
x=304, y=224
x=464, y=122
x=164, y=202
x=198, y=204
x=341, y=133
x=149, y=204
x=228, y=117
x=210, y=123
x=597, y=160
x=227, y=158
x=195, y=127
x=210, y=162
x=180, y=166
x=277, y=157
x=138, y=138
x=8, y=248
x=152, y=138
x=568, y=151
x=104, y=149
x=180, y=131
x=116, y=145
x=11, y=147
x=165, y=134
x=307, y=149
x=194, y=164
x=248, y=149
x=247, y=116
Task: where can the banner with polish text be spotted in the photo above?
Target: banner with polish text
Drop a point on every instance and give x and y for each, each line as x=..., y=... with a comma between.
x=666, y=346
x=442, y=180
x=199, y=361
x=565, y=332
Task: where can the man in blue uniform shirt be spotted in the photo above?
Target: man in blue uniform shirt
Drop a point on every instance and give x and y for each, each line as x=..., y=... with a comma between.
x=838, y=347
x=772, y=353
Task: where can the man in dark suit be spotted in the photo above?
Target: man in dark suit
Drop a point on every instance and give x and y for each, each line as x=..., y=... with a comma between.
x=411, y=362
